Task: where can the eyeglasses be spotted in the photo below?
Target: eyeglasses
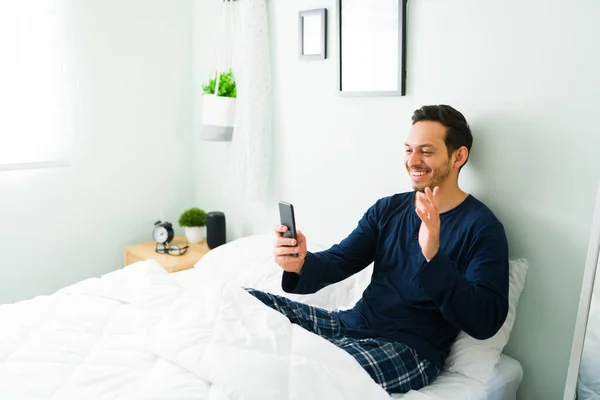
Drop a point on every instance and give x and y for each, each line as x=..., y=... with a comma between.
x=171, y=249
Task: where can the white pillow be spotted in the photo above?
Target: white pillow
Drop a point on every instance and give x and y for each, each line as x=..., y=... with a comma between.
x=478, y=359
x=249, y=262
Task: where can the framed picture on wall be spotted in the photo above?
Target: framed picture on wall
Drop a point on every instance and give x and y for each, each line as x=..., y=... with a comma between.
x=312, y=34
x=372, y=47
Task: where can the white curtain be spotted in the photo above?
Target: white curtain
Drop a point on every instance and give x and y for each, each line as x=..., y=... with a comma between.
x=252, y=137
x=36, y=89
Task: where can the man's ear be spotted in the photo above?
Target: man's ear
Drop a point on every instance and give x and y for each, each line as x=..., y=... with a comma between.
x=460, y=157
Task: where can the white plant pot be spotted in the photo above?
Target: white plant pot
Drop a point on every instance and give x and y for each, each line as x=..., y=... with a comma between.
x=195, y=234
x=218, y=117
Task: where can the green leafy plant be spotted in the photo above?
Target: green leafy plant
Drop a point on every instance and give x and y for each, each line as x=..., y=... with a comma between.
x=227, y=86
x=193, y=217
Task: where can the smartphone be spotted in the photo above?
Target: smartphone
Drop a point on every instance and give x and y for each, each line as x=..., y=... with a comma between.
x=286, y=216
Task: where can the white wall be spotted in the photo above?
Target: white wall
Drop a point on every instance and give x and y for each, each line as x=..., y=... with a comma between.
x=525, y=75
x=132, y=158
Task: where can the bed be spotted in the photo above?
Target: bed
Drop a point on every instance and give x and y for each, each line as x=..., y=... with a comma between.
x=141, y=333
x=475, y=370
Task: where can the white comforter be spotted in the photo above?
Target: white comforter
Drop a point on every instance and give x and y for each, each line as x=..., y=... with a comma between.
x=136, y=334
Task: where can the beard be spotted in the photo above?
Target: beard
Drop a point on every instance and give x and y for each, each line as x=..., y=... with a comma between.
x=437, y=178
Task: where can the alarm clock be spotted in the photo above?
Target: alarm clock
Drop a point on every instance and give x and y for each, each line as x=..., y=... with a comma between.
x=163, y=232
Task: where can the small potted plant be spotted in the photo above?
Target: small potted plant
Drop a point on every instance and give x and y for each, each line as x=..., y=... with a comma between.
x=194, y=223
x=218, y=107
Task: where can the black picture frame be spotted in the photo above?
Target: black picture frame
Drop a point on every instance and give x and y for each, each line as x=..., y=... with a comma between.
x=362, y=9
x=306, y=34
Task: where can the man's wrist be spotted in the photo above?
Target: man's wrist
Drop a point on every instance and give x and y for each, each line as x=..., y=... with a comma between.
x=299, y=272
x=431, y=255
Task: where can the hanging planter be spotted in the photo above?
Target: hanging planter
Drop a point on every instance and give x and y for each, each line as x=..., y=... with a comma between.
x=219, y=94
x=218, y=107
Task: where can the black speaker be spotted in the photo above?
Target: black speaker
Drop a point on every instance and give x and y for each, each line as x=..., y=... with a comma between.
x=215, y=229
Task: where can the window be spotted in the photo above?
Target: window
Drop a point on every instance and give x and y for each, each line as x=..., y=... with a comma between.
x=34, y=120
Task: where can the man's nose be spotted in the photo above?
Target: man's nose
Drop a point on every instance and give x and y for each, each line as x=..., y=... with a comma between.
x=413, y=159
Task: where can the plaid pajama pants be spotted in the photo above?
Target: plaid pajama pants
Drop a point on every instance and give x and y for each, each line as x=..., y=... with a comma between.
x=394, y=366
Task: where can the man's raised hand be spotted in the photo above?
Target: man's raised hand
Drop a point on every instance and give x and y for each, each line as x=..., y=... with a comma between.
x=427, y=209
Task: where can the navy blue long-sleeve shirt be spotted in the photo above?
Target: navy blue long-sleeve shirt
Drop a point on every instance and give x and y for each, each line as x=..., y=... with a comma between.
x=409, y=300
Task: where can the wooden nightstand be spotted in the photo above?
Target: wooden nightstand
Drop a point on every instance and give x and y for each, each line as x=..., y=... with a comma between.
x=146, y=251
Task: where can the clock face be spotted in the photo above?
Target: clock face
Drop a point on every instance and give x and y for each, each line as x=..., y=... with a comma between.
x=160, y=234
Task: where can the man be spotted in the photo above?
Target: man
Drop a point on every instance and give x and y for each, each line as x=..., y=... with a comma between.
x=440, y=265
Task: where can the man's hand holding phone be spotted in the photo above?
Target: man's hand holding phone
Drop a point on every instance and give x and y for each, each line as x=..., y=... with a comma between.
x=285, y=247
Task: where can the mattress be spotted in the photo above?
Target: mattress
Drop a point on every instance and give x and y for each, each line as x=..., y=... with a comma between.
x=450, y=385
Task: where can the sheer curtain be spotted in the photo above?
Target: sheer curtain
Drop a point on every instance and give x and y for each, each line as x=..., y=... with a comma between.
x=252, y=137
x=36, y=81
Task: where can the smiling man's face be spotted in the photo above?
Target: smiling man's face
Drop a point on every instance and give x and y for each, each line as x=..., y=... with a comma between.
x=426, y=155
